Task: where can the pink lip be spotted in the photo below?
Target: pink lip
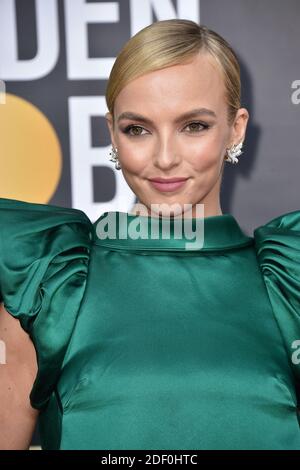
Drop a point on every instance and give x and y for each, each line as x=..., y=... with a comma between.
x=168, y=185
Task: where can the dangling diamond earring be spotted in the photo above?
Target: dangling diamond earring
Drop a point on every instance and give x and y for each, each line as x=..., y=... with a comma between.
x=233, y=152
x=114, y=158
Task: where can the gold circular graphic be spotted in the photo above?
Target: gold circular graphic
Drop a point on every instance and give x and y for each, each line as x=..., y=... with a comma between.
x=30, y=153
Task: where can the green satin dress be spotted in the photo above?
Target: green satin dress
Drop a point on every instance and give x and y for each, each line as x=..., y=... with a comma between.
x=143, y=344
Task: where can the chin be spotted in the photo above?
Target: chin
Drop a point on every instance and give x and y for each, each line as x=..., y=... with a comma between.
x=166, y=209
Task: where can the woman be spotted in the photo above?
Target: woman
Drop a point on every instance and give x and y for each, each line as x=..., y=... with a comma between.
x=127, y=342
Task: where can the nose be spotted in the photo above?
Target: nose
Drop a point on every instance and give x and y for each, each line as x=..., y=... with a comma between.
x=165, y=155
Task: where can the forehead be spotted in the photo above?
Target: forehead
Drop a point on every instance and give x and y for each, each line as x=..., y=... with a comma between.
x=199, y=82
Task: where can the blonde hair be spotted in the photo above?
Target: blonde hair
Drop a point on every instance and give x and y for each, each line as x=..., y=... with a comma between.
x=173, y=42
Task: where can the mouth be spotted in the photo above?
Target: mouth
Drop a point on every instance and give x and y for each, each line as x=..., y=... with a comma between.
x=168, y=185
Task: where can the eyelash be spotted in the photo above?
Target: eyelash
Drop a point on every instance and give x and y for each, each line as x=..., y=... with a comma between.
x=131, y=126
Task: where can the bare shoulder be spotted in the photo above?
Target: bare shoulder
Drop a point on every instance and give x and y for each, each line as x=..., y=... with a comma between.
x=18, y=369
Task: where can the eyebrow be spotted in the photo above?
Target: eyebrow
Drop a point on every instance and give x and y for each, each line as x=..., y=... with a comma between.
x=189, y=114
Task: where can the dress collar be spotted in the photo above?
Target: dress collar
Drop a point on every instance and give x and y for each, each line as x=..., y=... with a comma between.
x=123, y=231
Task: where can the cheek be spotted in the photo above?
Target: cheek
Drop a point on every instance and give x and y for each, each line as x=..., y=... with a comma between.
x=134, y=158
x=207, y=155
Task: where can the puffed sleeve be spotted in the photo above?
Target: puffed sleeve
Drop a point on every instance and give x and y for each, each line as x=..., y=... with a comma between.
x=277, y=245
x=44, y=259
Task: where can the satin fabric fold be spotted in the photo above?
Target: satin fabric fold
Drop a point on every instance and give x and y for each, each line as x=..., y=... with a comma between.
x=44, y=256
x=143, y=344
x=277, y=246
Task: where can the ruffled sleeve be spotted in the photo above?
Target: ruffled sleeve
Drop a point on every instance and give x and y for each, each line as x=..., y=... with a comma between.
x=44, y=259
x=277, y=245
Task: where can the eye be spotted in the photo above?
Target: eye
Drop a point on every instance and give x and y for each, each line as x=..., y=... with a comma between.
x=195, y=126
x=128, y=129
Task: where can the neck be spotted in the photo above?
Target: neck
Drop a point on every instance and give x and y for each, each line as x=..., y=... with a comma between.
x=198, y=210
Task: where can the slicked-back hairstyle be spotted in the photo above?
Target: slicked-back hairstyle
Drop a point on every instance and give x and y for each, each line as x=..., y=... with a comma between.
x=173, y=42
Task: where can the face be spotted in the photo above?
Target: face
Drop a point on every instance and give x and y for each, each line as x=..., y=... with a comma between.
x=160, y=140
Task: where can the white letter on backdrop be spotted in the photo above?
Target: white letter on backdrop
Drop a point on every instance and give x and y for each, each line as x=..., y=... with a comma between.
x=78, y=14
x=84, y=157
x=141, y=12
x=47, y=42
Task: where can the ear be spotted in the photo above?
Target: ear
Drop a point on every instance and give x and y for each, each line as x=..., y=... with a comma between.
x=110, y=124
x=238, y=127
